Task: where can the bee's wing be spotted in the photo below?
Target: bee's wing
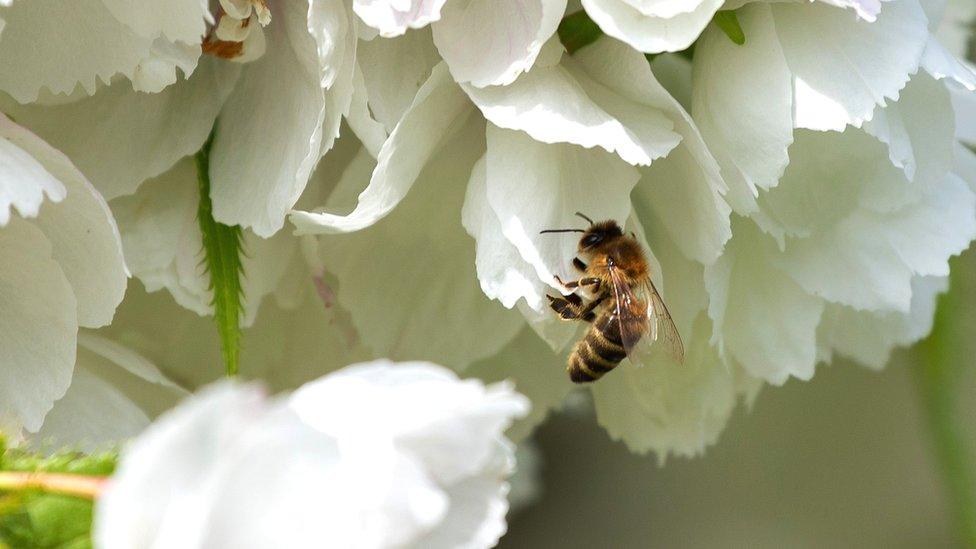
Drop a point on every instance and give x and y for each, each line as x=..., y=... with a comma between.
x=663, y=324
x=644, y=319
x=637, y=331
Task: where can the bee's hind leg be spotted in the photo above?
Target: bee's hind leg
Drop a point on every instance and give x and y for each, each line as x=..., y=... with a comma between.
x=571, y=307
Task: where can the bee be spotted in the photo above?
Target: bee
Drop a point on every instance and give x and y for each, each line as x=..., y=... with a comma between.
x=625, y=309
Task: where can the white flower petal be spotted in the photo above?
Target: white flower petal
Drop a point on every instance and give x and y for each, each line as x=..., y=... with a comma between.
x=685, y=189
x=82, y=233
x=427, y=268
x=747, y=127
x=845, y=83
x=24, y=182
x=161, y=236
x=865, y=9
x=870, y=338
x=113, y=395
x=370, y=132
x=38, y=325
x=478, y=505
x=394, y=17
x=394, y=71
x=918, y=130
x=798, y=51
x=761, y=317
x=868, y=260
x=446, y=420
x=257, y=177
x=183, y=20
x=501, y=271
x=565, y=104
x=492, y=42
x=438, y=109
x=523, y=175
x=940, y=63
x=862, y=230
x=964, y=105
x=537, y=373
x=40, y=37
x=158, y=71
x=119, y=138
x=649, y=33
x=156, y=499
x=93, y=415
x=667, y=407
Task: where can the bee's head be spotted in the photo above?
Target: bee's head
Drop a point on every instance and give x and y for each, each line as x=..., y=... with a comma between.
x=594, y=235
x=598, y=233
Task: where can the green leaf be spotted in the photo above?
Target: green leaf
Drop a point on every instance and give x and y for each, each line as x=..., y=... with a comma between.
x=222, y=248
x=729, y=23
x=577, y=30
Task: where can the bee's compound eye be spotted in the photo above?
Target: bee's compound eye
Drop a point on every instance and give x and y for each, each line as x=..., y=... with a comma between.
x=592, y=240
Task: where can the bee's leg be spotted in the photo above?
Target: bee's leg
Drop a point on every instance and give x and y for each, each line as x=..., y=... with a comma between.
x=577, y=283
x=566, y=309
x=573, y=309
x=578, y=263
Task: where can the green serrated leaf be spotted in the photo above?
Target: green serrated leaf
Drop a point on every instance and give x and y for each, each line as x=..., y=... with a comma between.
x=577, y=30
x=729, y=23
x=222, y=248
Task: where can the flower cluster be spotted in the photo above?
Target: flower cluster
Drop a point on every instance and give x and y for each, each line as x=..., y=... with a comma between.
x=794, y=169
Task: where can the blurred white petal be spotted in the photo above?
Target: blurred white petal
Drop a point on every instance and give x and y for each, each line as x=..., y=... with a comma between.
x=377, y=455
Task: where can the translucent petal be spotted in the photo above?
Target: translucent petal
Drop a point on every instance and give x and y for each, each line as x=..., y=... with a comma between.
x=492, y=42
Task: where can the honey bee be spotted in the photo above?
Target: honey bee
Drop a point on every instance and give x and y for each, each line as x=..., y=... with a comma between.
x=625, y=308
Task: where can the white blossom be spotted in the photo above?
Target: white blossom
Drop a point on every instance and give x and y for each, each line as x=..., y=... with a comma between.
x=376, y=455
x=300, y=88
x=61, y=269
x=52, y=47
x=484, y=42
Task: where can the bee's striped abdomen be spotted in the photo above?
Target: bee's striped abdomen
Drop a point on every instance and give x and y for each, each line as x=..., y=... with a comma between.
x=598, y=352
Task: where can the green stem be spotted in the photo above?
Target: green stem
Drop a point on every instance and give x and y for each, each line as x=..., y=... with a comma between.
x=84, y=486
x=222, y=247
x=946, y=358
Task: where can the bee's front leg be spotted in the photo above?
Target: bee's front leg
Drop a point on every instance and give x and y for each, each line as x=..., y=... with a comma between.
x=590, y=281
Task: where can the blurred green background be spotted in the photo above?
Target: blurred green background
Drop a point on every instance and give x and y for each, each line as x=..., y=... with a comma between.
x=849, y=459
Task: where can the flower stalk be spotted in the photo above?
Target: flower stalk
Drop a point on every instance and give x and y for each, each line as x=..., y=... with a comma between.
x=222, y=247
x=84, y=486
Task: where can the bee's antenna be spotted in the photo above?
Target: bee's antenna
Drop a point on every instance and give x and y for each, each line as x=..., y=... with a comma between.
x=584, y=217
x=562, y=231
